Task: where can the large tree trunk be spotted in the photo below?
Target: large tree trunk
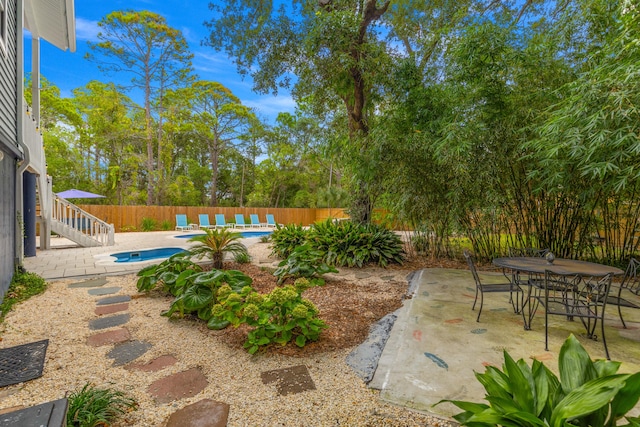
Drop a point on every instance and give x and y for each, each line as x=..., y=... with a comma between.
x=214, y=159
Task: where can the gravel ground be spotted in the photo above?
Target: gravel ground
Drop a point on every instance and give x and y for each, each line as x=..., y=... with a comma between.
x=62, y=315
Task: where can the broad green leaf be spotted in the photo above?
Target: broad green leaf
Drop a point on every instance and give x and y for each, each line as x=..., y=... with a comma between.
x=575, y=365
x=521, y=384
x=627, y=396
x=197, y=297
x=217, y=324
x=587, y=398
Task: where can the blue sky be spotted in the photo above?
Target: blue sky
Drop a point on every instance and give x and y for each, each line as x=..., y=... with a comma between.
x=69, y=70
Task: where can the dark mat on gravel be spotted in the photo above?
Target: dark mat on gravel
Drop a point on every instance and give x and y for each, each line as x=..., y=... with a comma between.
x=22, y=362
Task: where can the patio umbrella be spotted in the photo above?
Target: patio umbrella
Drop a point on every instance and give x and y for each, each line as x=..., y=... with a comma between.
x=78, y=194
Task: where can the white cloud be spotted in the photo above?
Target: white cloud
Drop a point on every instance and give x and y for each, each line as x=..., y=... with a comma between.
x=87, y=30
x=272, y=105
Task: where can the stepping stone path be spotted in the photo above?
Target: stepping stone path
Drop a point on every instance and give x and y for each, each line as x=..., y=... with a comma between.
x=204, y=413
x=126, y=350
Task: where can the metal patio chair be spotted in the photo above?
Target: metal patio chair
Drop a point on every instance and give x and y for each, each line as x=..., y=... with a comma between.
x=481, y=288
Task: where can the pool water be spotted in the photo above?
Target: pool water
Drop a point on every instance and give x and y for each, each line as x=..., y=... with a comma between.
x=145, y=255
x=245, y=234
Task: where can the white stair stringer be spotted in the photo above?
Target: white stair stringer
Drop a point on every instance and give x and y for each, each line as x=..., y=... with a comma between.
x=79, y=226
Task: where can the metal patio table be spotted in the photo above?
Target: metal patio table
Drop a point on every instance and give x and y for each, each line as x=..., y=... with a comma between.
x=538, y=266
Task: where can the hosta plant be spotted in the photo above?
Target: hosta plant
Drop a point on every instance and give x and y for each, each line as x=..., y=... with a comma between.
x=303, y=262
x=166, y=273
x=198, y=293
x=278, y=317
x=588, y=393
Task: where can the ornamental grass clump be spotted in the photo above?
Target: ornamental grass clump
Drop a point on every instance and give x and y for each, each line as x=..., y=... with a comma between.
x=94, y=407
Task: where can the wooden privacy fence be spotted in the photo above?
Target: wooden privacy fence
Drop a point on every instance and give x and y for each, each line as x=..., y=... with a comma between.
x=129, y=218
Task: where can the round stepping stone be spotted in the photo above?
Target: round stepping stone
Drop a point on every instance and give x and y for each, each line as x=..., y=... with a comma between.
x=109, y=322
x=128, y=352
x=103, y=291
x=110, y=337
x=178, y=386
x=155, y=365
x=113, y=300
x=362, y=275
x=205, y=413
x=112, y=308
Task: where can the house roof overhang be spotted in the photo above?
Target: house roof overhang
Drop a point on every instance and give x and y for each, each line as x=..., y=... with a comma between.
x=53, y=21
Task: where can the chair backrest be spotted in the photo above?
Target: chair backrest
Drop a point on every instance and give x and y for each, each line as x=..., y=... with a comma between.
x=254, y=219
x=631, y=279
x=220, y=219
x=472, y=267
x=580, y=291
x=181, y=220
x=204, y=220
x=240, y=219
x=270, y=219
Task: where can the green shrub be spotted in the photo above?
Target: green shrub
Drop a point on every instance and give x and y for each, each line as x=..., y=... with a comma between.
x=23, y=286
x=166, y=273
x=215, y=244
x=354, y=245
x=93, y=407
x=588, y=393
x=278, y=317
x=148, y=224
x=286, y=238
x=166, y=225
x=197, y=293
x=303, y=262
x=242, y=258
x=265, y=239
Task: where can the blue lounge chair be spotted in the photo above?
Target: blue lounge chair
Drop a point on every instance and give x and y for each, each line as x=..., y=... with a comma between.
x=271, y=222
x=255, y=221
x=240, y=221
x=181, y=223
x=204, y=221
x=221, y=222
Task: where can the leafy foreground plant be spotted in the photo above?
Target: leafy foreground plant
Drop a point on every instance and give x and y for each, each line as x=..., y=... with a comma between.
x=166, y=273
x=215, y=244
x=303, y=262
x=23, y=286
x=284, y=240
x=354, y=245
x=93, y=407
x=588, y=393
x=277, y=317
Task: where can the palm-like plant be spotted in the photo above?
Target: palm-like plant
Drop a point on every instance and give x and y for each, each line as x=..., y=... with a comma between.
x=215, y=244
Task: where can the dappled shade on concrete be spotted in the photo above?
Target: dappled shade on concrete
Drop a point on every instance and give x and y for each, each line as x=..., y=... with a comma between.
x=436, y=344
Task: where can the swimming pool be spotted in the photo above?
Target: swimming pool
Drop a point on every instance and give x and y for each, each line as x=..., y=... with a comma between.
x=145, y=255
x=245, y=234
